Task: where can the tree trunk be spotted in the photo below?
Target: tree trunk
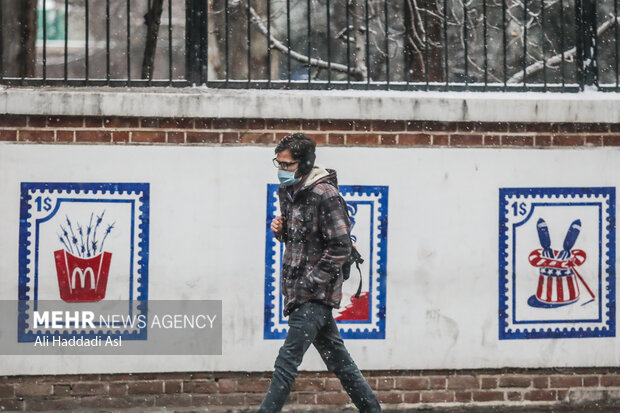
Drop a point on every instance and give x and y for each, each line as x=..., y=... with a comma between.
x=19, y=32
x=153, y=19
x=423, y=51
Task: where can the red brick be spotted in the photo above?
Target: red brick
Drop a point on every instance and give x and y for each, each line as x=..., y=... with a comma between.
x=49, y=404
x=33, y=389
x=333, y=385
x=231, y=137
x=89, y=389
x=93, y=136
x=227, y=399
x=415, y=126
x=462, y=396
x=488, y=396
x=226, y=385
x=362, y=125
x=563, y=395
x=465, y=126
x=173, y=386
x=175, y=137
x=540, y=395
x=309, y=124
x=440, y=140
x=344, y=125
x=148, y=136
x=7, y=390
x=436, y=126
x=120, y=136
x=568, y=140
x=514, y=396
x=12, y=405
x=594, y=140
x=121, y=122
x=388, y=125
x=335, y=139
x=515, y=381
x=389, y=397
x=176, y=123
x=149, y=122
x=173, y=400
x=104, y=402
x=437, y=383
x=465, y=140
x=93, y=122
x=261, y=386
x=319, y=138
x=591, y=127
x=488, y=382
x=412, y=383
x=117, y=389
x=517, y=127
x=542, y=140
x=145, y=387
x=251, y=137
x=610, y=380
x=65, y=121
x=305, y=398
x=292, y=125
x=462, y=382
x=564, y=381
x=200, y=386
x=332, y=398
x=492, y=140
x=36, y=136
x=542, y=127
x=513, y=140
x=257, y=124
x=385, y=384
x=13, y=120
x=540, y=382
x=65, y=136
x=205, y=123
x=280, y=135
x=411, y=397
x=227, y=123
x=306, y=385
x=388, y=139
x=362, y=139
x=8, y=135
x=437, y=396
x=413, y=139
x=590, y=381
x=203, y=137
x=37, y=121
x=491, y=127
x=611, y=140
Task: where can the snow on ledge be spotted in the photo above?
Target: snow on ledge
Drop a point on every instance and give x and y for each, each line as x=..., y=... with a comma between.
x=585, y=107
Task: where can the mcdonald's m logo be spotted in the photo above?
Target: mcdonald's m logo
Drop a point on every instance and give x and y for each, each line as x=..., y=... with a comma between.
x=82, y=279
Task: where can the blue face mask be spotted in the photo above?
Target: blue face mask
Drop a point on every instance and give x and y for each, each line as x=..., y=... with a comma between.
x=287, y=178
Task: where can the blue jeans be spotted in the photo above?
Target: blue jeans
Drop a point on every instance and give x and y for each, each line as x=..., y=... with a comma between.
x=313, y=323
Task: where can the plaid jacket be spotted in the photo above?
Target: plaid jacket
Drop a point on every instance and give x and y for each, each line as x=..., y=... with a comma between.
x=317, y=241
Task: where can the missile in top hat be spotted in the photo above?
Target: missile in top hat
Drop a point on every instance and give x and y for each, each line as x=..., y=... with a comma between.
x=571, y=238
x=543, y=236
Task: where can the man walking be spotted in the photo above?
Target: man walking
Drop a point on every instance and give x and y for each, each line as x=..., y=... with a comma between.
x=314, y=227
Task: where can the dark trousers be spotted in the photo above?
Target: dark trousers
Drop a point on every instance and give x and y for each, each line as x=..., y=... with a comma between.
x=313, y=323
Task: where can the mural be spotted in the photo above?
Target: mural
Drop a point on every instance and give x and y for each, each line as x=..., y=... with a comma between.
x=82, y=243
x=362, y=317
x=556, y=262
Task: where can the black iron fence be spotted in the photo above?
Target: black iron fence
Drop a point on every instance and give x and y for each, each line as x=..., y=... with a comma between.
x=505, y=45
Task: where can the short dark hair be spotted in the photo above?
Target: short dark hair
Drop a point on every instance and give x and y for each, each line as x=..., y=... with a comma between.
x=299, y=145
x=301, y=148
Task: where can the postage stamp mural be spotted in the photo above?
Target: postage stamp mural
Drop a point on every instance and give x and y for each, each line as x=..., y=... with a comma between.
x=82, y=243
x=557, y=262
x=363, y=317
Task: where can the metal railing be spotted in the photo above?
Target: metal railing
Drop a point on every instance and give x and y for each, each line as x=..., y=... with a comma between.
x=482, y=45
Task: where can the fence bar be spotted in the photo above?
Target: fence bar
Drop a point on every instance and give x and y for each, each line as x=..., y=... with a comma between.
x=616, y=44
x=128, y=5
x=562, y=42
x=44, y=41
x=227, y=26
x=585, y=18
x=249, y=41
x=329, y=46
x=107, y=40
x=426, y=44
x=288, y=39
x=269, y=42
x=309, y=42
x=366, y=17
x=347, y=17
x=387, y=43
x=1, y=44
x=542, y=42
x=445, y=41
x=195, y=28
x=505, y=60
x=465, y=43
x=86, y=41
x=66, y=60
x=169, y=41
x=485, y=43
x=204, y=40
x=524, y=42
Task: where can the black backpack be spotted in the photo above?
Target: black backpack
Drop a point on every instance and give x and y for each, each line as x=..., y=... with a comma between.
x=354, y=258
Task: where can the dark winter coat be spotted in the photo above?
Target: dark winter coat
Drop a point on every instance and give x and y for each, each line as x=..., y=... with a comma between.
x=317, y=240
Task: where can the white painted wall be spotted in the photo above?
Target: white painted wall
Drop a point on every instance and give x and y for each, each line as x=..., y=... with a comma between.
x=207, y=241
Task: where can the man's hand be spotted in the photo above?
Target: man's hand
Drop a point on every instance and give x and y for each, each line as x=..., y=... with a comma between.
x=277, y=224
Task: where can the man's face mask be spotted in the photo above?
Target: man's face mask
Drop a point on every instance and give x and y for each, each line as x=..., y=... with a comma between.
x=287, y=178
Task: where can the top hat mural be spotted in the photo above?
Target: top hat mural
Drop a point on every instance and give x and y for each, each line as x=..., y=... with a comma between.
x=558, y=276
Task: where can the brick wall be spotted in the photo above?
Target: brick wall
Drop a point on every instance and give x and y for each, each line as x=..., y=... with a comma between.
x=175, y=131
x=397, y=390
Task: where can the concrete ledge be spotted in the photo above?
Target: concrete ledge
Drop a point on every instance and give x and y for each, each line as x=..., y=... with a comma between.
x=586, y=107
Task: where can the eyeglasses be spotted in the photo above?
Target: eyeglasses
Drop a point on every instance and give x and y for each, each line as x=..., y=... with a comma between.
x=283, y=165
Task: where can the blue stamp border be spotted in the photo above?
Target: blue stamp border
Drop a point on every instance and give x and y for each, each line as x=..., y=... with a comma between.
x=610, y=194
x=24, y=246
x=270, y=332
